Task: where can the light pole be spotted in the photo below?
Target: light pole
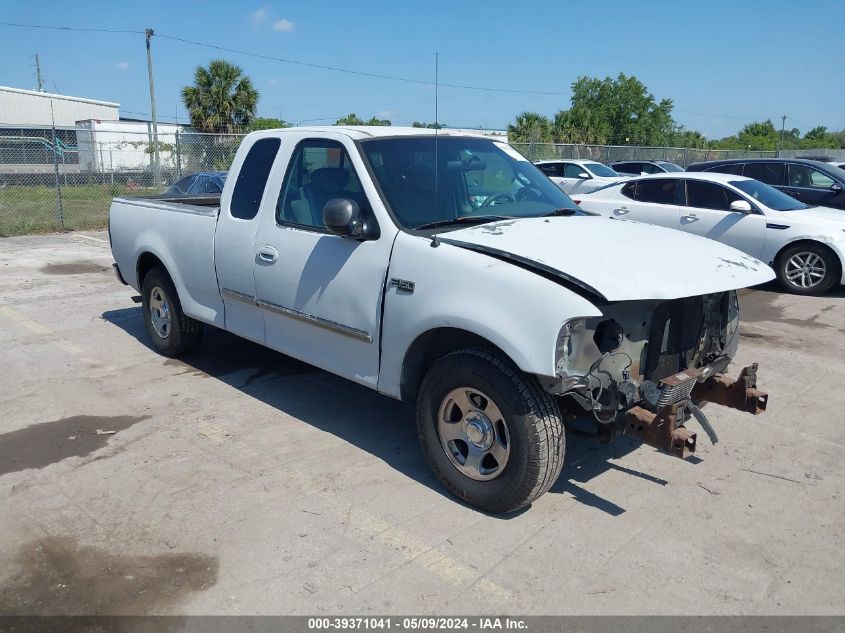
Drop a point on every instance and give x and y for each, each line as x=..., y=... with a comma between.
x=149, y=34
x=782, y=129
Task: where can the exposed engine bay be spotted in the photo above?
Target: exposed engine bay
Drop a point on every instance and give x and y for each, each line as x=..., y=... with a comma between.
x=647, y=363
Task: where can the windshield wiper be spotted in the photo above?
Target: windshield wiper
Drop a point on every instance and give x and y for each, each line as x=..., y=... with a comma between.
x=464, y=219
x=559, y=212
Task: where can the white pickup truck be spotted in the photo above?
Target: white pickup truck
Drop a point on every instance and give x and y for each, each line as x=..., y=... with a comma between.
x=446, y=269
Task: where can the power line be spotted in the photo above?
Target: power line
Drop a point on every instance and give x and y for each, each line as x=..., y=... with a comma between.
x=290, y=61
x=69, y=28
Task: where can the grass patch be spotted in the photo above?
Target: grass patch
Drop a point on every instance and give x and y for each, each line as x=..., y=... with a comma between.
x=25, y=210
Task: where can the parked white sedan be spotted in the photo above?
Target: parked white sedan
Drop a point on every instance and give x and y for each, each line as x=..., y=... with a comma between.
x=579, y=176
x=805, y=245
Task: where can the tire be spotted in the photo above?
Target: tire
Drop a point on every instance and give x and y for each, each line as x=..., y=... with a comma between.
x=521, y=414
x=817, y=260
x=174, y=337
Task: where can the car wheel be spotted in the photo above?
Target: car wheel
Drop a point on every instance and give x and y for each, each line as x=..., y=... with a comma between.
x=807, y=269
x=490, y=433
x=170, y=331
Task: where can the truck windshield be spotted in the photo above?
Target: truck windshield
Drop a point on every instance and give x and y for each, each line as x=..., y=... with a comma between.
x=429, y=181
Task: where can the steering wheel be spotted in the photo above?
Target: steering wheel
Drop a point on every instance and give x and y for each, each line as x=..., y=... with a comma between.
x=529, y=193
x=504, y=197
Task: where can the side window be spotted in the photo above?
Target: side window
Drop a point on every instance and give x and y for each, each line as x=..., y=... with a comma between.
x=649, y=168
x=803, y=176
x=629, y=168
x=769, y=173
x=319, y=170
x=630, y=190
x=660, y=191
x=708, y=195
x=553, y=170
x=571, y=170
x=252, y=178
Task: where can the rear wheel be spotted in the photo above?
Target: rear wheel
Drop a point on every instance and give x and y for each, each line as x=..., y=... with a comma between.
x=491, y=434
x=807, y=269
x=170, y=331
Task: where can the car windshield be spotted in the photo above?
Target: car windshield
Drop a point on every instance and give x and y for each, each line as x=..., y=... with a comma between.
x=768, y=196
x=836, y=172
x=669, y=166
x=602, y=171
x=430, y=180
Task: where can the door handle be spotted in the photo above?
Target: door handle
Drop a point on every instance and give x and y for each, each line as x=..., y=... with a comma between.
x=267, y=254
x=692, y=217
x=621, y=211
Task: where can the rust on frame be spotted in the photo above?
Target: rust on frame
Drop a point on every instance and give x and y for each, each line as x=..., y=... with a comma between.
x=741, y=394
x=659, y=430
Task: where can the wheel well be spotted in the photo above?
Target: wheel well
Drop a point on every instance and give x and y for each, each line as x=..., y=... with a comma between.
x=431, y=345
x=821, y=245
x=146, y=262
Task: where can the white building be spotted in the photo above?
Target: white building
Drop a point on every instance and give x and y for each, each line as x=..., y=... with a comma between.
x=33, y=109
x=107, y=146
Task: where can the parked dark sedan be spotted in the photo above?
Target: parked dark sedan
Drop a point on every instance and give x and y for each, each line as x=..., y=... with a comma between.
x=204, y=183
x=812, y=182
x=643, y=167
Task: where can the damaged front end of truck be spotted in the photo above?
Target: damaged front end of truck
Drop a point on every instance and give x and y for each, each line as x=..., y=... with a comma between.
x=647, y=367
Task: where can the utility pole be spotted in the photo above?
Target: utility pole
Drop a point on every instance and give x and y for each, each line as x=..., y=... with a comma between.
x=149, y=34
x=782, y=129
x=38, y=73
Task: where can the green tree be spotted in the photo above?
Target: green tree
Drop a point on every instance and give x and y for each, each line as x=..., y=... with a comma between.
x=267, y=123
x=689, y=138
x=530, y=127
x=620, y=110
x=354, y=119
x=431, y=126
x=222, y=98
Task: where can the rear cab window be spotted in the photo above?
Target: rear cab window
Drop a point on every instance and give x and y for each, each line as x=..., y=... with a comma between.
x=252, y=178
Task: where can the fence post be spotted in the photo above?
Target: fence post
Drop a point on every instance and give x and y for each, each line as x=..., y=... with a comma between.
x=178, y=158
x=60, y=212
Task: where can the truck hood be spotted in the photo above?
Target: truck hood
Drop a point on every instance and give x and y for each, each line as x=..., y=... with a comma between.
x=615, y=260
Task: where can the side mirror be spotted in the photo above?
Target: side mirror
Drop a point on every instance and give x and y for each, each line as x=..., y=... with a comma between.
x=836, y=187
x=584, y=175
x=343, y=217
x=743, y=206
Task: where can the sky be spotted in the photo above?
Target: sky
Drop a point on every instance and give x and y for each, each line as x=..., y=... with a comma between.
x=723, y=64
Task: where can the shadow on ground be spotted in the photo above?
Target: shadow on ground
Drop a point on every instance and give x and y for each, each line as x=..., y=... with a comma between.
x=384, y=428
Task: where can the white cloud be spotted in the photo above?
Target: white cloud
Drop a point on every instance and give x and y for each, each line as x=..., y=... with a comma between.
x=283, y=25
x=272, y=81
x=258, y=17
x=122, y=65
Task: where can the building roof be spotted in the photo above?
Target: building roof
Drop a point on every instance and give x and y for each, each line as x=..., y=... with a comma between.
x=51, y=95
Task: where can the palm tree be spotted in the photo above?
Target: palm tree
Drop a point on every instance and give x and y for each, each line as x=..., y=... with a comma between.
x=530, y=127
x=222, y=98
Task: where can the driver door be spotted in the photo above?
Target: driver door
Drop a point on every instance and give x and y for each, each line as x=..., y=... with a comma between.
x=320, y=294
x=706, y=211
x=574, y=176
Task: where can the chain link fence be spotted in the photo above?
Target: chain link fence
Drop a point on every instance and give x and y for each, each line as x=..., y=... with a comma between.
x=682, y=156
x=65, y=179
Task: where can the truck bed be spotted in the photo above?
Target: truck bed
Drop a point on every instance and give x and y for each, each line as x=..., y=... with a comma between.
x=180, y=233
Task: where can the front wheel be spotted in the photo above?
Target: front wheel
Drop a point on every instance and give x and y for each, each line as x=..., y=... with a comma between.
x=171, y=332
x=807, y=269
x=490, y=433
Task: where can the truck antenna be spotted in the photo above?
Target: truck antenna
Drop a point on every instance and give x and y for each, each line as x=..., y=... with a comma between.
x=434, y=242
